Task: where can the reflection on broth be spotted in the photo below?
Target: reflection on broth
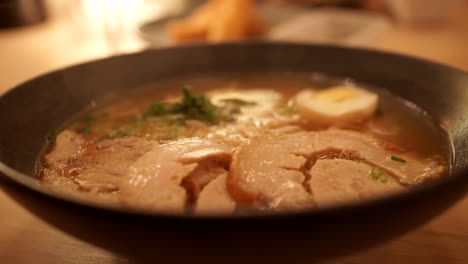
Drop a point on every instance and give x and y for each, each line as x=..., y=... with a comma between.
x=233, y=143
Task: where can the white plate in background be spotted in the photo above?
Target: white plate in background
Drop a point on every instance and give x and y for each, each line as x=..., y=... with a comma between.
x=300, y=24
x=332, y=26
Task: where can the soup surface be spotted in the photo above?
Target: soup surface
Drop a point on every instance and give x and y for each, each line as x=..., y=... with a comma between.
x=231, y=143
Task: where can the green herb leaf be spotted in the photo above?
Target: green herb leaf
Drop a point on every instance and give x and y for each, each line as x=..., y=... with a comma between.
x=378, y=174
x=375, y=173
x=233, y=106
x=384, y=179
x=397, y=159
x=198, y=107
x=238, y=101
x=289, y=110
x=159, y=109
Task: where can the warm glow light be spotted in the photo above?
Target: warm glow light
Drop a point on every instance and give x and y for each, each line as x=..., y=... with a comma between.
x=115, y=19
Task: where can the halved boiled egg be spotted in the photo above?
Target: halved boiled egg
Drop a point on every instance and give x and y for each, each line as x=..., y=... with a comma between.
x=336, y=105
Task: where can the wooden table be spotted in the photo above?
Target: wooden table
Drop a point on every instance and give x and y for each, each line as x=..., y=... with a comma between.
x=25, y=238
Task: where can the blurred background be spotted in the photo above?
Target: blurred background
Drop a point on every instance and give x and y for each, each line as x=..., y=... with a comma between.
x=37, y=36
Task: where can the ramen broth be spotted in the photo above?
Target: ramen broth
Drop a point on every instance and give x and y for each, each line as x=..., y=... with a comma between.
x=229, y=117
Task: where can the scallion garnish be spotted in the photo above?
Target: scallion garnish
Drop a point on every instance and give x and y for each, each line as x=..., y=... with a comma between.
x=384, y=179
x=377, y=174
x=397, y=159
x=196, y=107
x=289, y=110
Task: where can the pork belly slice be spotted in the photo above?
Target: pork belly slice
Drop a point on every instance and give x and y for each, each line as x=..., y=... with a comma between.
x=68, y=146
x=76, y=165
x=339, y=181
x=155, y=181
x=215, y=198
x=273, y=172
x=266, y=174
x=414, y=169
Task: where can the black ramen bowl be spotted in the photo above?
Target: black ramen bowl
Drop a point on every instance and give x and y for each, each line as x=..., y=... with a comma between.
x=29, y=111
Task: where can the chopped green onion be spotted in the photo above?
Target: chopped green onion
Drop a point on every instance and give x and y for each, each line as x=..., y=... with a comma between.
x=397, y=159
x=238, y=102
x=375, y=173
x=195, y=106
x=233, y=106
x=289, y=110
x=384, y=179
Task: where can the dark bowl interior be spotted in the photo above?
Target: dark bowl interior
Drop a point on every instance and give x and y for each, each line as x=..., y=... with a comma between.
x=32, y=109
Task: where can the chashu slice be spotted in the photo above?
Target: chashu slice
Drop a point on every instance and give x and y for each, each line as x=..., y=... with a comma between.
x=95, y=169
x=155, y=181
x=339, y=181
x=215, y=198
x=272, y=172
x=266, y=174
x=414, y=169
x=68, y=146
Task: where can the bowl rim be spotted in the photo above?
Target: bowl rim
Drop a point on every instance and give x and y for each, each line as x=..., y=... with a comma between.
x=31, y=183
